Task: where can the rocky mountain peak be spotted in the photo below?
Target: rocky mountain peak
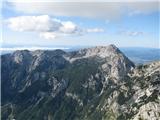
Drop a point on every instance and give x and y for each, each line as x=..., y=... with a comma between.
x=102, y=51
x=115, y=63
x=109, y=48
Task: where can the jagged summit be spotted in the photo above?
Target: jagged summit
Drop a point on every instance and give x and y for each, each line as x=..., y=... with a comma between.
x=100, y=51
x=110, y=47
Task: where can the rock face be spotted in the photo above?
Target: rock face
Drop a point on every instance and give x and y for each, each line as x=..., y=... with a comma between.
x=115, y=63
x=98, y=83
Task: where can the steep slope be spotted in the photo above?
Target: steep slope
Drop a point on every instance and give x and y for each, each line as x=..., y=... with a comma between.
x=146, y=98
x=98, y=83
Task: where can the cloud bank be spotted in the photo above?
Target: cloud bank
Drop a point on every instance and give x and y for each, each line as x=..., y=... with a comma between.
x=100, y=10
x=47, y=27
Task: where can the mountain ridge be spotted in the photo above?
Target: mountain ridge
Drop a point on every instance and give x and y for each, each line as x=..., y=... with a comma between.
x=98, y=83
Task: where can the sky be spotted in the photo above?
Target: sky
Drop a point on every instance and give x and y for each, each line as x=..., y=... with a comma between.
x=42, y=23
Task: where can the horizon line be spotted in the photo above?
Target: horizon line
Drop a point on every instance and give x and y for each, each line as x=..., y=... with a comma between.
x=64, y=48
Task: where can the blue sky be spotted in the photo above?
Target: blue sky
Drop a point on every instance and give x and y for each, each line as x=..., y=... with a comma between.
x=125, y=24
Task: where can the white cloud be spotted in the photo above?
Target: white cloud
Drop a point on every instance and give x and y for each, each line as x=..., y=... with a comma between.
x=95, y=30
x=68, y=27
x=135, y=33
x=47, y=27
x=132, y=33
x=48, y=35
x=101, y=10
x=33, y=23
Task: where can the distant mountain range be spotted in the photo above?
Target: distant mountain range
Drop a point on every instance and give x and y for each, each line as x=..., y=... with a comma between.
x=138, y=55
x=97, y=83
x=142, y=55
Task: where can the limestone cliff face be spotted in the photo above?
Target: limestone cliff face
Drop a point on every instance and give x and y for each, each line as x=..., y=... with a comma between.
x=98, y=83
